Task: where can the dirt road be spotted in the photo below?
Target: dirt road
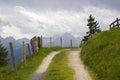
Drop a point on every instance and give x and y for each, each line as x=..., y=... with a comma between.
x=78, y=66
x=43, y=67
x=74, y=61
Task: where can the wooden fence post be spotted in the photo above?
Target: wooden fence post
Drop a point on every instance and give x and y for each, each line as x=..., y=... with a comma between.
x=41, y=41
x=113, y=24
x=39, y=45
x=117, y=20
x=29, y=51
x=50, y=42
x=23, y=54
x=110, y=26
x=61, y=41
x=13, y=57
x=71, y=42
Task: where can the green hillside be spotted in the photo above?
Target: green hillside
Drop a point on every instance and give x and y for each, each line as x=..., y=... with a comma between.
x=102, y=55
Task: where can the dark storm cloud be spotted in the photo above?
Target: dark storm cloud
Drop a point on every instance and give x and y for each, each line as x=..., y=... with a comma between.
x=62, y=4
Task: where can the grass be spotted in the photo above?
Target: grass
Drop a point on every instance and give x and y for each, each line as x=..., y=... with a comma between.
x=59, y=47
x=59, y=69
x=56, y=48
x=101, y=54
x=24, y=73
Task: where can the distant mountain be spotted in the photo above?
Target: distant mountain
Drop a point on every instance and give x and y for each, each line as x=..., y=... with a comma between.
x=6, y=41
x=23, y=39
x=14, y=41
x=1, y=39
x=66, y=37
x=16, y=46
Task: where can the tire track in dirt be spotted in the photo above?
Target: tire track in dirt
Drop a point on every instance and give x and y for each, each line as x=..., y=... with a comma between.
x=76, y=63
x=40, y=72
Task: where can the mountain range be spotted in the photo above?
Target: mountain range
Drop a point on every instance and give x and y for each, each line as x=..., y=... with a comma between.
x=66, y=37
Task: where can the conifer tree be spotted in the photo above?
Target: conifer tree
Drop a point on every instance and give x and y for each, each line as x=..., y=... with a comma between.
x=93, y=26
x=3, y=55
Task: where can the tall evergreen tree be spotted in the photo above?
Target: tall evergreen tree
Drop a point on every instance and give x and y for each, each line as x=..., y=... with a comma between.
x=3, y=55
x=93, y=26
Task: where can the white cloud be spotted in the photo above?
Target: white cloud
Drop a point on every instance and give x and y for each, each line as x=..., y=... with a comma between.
x=104, y=16
x=10, y=31
x=23, y=22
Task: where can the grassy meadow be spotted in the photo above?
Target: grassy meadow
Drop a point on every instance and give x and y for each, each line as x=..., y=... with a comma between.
x=101, y=54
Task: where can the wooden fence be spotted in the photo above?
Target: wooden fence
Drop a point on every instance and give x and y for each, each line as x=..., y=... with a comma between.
x=32, y=47
x=23, y=46
x=60, y=42
x=36, y=41
x=115, y=24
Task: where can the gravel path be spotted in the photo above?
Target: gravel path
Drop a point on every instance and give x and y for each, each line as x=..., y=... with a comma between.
x=78, y=66
x=39, y=74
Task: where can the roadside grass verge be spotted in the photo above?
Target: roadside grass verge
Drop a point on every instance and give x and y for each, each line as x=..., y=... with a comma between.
x=24, y=73
x=59, y=69
x=101, y=54
x=56, y=48
x=59, y=47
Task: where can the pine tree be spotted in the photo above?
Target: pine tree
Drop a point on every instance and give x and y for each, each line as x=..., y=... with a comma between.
x=93, y=26
x=3, y=55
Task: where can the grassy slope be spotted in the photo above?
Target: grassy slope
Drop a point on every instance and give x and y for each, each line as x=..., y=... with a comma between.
x=6, y=73
x=59, y=69
x=102, y=55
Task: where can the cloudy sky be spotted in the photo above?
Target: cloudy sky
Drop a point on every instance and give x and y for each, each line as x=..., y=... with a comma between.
x=27, y=18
